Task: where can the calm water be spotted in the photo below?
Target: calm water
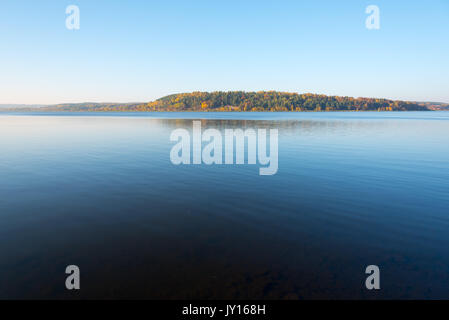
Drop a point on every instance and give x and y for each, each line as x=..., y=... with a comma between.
x=99, y=191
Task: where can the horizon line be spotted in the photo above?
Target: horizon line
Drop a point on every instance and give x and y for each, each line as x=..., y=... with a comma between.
x=198, y=91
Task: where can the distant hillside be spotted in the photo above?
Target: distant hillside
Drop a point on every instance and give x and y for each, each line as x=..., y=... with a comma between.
x=251, y=101
x=70, y=107
x=437, y=106
x=21, y=106
x=93, y=106
x=272, y=101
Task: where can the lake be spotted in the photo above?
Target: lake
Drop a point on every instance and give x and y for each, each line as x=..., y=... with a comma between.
x=98, y=190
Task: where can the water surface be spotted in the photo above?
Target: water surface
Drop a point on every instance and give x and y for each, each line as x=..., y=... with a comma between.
x=98, y=190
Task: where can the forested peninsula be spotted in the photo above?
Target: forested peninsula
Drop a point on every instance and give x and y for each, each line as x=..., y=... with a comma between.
x=250, y=101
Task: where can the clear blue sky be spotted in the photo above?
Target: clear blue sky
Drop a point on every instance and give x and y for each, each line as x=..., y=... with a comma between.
x=142, y=50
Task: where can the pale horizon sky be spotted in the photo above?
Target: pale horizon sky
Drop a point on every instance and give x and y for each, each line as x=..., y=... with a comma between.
x=138, y=51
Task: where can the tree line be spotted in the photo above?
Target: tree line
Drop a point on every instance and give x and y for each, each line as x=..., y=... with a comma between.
x=249, y=101
x=271, y=101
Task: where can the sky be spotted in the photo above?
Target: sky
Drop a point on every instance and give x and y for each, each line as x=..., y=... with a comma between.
x=138, y=51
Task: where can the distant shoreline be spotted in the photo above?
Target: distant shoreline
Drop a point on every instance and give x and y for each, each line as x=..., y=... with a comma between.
x=205, y=111
x=240, y=101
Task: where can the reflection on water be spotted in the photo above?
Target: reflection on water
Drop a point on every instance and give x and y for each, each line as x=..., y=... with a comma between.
x=99, y=191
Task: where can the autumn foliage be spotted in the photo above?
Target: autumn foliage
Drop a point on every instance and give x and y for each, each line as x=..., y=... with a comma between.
x=271, y=101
